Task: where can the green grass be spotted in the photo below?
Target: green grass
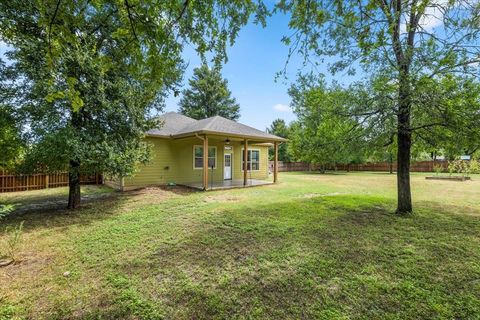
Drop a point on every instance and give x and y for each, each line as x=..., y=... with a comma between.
x=313, y=246
x=26, y=198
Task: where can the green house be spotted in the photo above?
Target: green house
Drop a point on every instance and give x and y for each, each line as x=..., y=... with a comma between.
x=205, y=154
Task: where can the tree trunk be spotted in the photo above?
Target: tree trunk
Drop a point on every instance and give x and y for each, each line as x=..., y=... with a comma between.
x=74, y=168
x=73, y=185
x=404, y=139
x=391, y=163
x=404, y=205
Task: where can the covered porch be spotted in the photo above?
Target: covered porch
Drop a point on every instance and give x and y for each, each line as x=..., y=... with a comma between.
x=229, y=152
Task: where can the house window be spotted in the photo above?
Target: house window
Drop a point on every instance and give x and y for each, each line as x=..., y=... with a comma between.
x=253, y=162
x=198, y=157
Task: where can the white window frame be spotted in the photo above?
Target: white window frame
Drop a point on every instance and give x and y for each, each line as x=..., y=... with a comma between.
x=249, y=150
x=201, y=146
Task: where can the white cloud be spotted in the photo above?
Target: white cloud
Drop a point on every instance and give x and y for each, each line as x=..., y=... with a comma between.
x=4, y=48
x=432, y=18
x=281, y=107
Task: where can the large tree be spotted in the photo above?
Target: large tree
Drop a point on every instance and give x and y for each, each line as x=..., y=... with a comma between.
x=324, y=133
x=89, y=74
x=281, y=129
x=345, y=125
x=407, y=42
x=208, y=96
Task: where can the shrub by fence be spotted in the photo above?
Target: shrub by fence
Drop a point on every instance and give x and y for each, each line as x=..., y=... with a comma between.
x=10, y=182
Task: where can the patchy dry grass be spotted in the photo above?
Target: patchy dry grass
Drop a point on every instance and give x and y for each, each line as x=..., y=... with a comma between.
x=313, y=246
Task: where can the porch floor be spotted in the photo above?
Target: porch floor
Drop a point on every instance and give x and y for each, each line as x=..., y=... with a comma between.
x=229, y=184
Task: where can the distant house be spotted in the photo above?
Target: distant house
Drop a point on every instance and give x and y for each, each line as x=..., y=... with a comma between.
x=182, y=145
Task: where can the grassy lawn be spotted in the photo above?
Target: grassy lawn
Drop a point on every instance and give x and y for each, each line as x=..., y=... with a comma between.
x=56, y=198
x=313, y=246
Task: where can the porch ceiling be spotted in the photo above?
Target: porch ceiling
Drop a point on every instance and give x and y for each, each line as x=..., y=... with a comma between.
x=224, y=138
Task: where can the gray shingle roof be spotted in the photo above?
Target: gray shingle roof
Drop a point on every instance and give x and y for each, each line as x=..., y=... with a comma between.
x=177, y=125
x=171, y=123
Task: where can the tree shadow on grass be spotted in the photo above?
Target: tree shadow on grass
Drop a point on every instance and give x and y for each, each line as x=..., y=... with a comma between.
x=340, y=256
x=51, y=212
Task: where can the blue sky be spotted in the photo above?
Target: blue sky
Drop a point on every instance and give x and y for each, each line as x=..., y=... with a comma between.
x=252, y=64
x=253, y=61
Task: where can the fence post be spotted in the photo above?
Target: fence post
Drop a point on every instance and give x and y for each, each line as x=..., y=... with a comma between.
x=47, y=178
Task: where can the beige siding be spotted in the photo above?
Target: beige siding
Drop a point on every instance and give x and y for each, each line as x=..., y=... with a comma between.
x=238, y=164
x=184, y=154
x=161, y=168
x=172, y=161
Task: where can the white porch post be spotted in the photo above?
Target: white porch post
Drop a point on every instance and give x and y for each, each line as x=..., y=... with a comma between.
x=205, y=163
x=245, y=160
x=275, y=163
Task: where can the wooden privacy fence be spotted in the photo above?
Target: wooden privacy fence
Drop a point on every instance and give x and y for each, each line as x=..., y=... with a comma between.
x=10, y=182
x=293, y=166
x=420, y=166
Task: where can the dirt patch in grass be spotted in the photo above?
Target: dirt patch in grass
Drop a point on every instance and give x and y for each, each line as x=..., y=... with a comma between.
x=164, y=191
x=29, y=263
x=154, y=195
x=225, y=197
x=315, y=195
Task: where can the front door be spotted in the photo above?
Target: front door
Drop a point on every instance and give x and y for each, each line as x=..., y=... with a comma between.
x=227, y=166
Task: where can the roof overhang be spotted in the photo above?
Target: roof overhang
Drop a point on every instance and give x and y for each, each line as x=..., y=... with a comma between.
x=258, y=139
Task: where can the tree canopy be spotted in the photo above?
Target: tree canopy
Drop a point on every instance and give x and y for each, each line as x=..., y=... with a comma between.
x=281, y=129
x=11, y=142
x=87, y=75
x=208, y=95
x=341, y=124
x=402, y=46
x=324, y=133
